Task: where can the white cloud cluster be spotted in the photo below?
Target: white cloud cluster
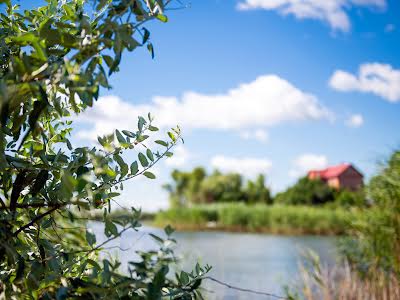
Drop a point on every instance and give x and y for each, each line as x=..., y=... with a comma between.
x=355, y=121
x=180, y=157
x=248, y=167
x=259, y=135
x=380, y=79
x=306, y=162
x=268, y=100
x=331, y=11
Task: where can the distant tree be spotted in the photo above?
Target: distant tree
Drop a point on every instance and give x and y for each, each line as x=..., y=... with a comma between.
x=257, y=192
x=53, y=62
x=185, y=187
x=196, y=187
x=307, y=192
x=221, y=188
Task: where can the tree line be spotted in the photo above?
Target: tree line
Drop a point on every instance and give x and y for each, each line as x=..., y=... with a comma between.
x=199, y=187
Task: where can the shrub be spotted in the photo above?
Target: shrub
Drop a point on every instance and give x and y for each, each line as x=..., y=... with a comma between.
x=307, y=192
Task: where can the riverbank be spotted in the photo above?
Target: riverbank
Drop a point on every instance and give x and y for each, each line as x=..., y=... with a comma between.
x=274, y=219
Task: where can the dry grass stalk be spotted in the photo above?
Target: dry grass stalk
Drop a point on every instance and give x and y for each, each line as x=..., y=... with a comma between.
x=341, y=283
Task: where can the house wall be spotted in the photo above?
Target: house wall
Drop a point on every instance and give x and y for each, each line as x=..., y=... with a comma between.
x=350, y=179
x=334, y=182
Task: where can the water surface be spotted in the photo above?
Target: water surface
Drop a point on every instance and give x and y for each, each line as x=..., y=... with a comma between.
x=256, y=261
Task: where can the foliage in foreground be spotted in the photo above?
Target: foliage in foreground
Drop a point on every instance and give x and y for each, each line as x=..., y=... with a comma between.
x=284, y=219
x=377, y=243
x=53, y=62
x=341, y=281
x=372, y=253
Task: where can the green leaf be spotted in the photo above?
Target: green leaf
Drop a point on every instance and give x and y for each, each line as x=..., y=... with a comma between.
x=172, y=136
x=25, y=38
x=141, y=138
x=122, y=164
x=169, y=230
x=90, y=237
x=157, y=238
x=153, y=128
x=149, y=175
x=143, y=160
x=146, y=35
x=141, y=123
x=162, y=143
x=129, y=133
x=134, y=168
x=184, y=278
x=162, y=18
x=62, y=293
x=110, y=228
x=120, y=137
x=198, y=269
x=109, y=61
x=102, y=141
x=151, y=49
x=150, y=154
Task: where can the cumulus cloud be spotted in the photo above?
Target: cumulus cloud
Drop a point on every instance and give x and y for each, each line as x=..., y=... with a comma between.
x=333, y=12
x=306, y=162
x=180, y=157
x=380, y=79
x=246, y=166
x=355, y=121
x=267, y=101
x=258, y=134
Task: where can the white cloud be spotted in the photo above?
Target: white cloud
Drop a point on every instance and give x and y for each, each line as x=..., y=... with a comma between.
x=380, y=79
x=355, y=121
x=180, y=157
x=267, y=101
x=246, y=166
x=306, y=162
x=258, y=134
x=331, y=11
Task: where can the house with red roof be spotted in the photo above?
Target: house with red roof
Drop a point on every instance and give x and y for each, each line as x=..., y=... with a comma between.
x=343, y=176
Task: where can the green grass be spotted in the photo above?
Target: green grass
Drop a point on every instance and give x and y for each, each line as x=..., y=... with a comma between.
x=282, y=219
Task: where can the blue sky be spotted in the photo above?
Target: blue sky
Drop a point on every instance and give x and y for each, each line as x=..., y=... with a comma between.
x=263, y=86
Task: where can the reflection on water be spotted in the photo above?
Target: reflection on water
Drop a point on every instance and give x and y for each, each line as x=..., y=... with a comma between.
x=255, y=261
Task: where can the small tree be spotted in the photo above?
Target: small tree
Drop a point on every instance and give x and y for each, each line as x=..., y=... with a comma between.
x=257, y=192
x=53, y=62
x=307, y=192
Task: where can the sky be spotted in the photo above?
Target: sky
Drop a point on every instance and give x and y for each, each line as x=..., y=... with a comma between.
x=261, y=86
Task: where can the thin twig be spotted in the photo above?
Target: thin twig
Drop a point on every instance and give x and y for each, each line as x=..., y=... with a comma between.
x=35, y=219
x=244, y=290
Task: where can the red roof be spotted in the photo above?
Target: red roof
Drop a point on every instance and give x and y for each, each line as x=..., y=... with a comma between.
x=330, y=172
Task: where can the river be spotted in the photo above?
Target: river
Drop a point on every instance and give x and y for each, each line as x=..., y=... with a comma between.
x=255, y=261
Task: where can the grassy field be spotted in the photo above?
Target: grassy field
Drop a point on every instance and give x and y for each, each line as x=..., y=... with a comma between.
x=279, y=219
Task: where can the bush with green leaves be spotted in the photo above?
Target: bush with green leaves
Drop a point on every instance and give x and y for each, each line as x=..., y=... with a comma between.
x=196, y=186
x=54, y=60
x=307, y=192
x=377, y=243
x=349, y=198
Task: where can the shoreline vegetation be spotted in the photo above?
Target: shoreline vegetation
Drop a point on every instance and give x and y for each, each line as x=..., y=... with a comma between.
x=273, y=219
x=240, y=217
